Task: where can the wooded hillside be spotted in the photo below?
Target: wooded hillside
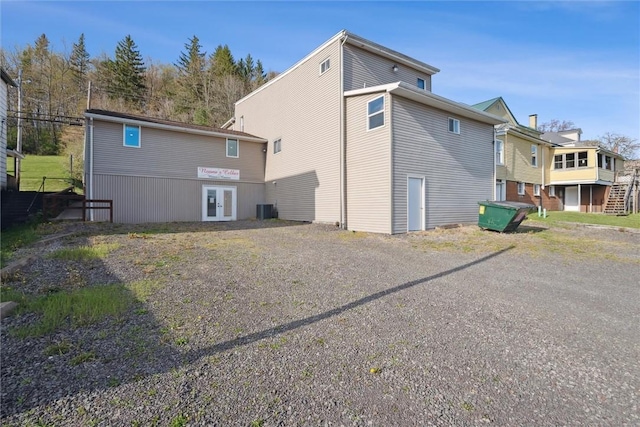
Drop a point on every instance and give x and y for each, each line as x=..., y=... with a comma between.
x=200, y=87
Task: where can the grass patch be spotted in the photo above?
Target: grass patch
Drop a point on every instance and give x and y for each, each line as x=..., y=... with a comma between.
x=10, y=294
x=33, y=168
x=83, y=357
x=143, y=289
x=15, y=238
x=557, y=217
x=76, y=308
x=83, y=253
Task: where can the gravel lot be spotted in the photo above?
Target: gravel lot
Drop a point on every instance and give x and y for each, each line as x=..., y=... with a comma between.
x=280, y=323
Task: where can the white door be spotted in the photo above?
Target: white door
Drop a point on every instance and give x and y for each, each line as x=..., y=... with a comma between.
x=571, y=199
x=415, y=204
x=218, y=203
x=500, y=190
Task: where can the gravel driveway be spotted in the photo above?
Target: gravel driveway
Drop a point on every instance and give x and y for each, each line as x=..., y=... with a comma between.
x=280, y=323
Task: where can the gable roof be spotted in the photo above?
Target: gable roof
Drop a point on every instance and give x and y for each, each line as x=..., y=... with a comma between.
x=152, y=122
x=360, y=42
x=484, y=106
x=428, y=98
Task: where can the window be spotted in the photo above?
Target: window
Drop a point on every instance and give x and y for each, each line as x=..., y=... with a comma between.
x=605, y=162
x=131, y=136
x=232, y=148
x=558, y=162
x=454, y=125
x=536, y=190
x=277, y=146
x=325, y=65
x=500, y=190
x=570, y=160
x=499, y=152
x=552, y=191
x=420, y=83
x=375, y=113
x=582, y=159
x=521, y=188
x=534, y=155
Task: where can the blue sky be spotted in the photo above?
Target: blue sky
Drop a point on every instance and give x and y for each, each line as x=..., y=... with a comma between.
x=570, y=60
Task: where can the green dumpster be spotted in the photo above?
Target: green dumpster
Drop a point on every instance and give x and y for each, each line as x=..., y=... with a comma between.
x=502, y=216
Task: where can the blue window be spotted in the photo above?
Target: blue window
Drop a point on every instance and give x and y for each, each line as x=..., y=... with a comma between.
x=132, y=136
x=420, y=83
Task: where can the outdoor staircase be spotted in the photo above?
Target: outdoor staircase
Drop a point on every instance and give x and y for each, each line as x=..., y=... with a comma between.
x=617, y=200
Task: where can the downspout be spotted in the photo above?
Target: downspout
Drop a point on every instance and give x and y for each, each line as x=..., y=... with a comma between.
x=343, y=183
x=91, y=157
x=542, y=166
x=495, y=168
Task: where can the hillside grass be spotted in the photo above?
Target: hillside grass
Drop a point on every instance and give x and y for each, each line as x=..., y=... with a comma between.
x=557, y=217
x=55, y=168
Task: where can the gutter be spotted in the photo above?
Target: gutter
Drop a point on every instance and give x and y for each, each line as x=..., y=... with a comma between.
x=91, y=166
x=174, y=128
x=228, y=123
x=343, y=163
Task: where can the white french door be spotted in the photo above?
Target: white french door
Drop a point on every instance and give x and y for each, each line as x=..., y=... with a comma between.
x=218, y=203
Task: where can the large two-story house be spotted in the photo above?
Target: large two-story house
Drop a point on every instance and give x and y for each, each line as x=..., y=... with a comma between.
x=357, y=137
x=351, y=134
x=522, y=159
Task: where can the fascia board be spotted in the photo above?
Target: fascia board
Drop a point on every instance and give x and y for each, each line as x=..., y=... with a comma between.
x=424, y=97
x=172, y=128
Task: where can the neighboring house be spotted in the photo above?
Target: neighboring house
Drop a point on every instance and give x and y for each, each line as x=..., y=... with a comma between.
x=357, y=138
x=5, y=180
x=160, y=171
x=581, y=173
x=523, y=159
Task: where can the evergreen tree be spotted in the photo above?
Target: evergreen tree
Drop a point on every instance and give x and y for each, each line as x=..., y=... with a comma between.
x=222, y=62
x=259, y=76
x=80, y=59
x=128, y=71
x=191, y=77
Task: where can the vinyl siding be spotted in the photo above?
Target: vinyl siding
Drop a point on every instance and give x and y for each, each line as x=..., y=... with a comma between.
x=517, y=159
x=3, y=135
x=303, y=110
x=458, y=169
x=168, y=154
x=368, y=168
x=365, y=69
x=138, y=199
x=585, y=174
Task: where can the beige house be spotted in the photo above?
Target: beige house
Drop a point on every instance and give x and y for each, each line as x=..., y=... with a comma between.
x=356, y=137
x=161, y=171
x=523, y=159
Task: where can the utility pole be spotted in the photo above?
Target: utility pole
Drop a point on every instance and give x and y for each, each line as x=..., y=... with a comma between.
x=19, y=133
x=89, y=96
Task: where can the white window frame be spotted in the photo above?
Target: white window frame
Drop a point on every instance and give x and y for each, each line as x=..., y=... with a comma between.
x=499, y=152
x=501, y=190
x=124, y=136
x=552, y=190
x=536, y=190
x=522, y=188
x=454, y=126
x=325, y=66
x=534, y=155
x=237, y=148
x=375, y=113
x=277, y=145
x=424, y=83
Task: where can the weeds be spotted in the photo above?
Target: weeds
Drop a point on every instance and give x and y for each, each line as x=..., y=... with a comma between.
x=83, y=253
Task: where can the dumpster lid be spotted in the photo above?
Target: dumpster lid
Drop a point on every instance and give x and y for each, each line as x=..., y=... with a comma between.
x=504, y=203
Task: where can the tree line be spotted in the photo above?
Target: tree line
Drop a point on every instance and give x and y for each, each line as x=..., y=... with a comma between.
x=199, y=88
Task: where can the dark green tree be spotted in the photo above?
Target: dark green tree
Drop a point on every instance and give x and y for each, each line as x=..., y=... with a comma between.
x=128, y=73
x=222, y=62
x=191, y=78
x=80, y=59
